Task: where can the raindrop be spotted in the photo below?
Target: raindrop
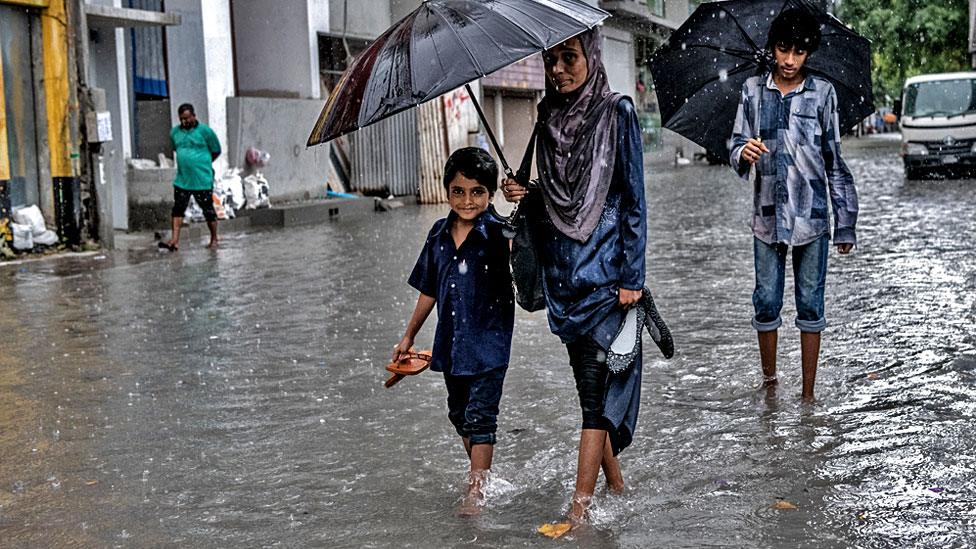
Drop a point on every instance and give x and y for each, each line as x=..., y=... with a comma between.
x=723, y=75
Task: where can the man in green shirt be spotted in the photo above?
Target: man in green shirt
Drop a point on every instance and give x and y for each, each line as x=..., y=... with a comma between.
x=196, y=147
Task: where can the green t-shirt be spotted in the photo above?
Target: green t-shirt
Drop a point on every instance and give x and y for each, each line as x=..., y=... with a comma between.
x=194, y=156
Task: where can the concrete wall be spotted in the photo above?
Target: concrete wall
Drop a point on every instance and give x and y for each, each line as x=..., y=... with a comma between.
x=185, y=49
x=219, y=57
x=318, y=23
x=201, y=64
x=400, y=8
x=366, y=18
x=110, y=72
x=518, y=114
x=265, y=37
x=618, y=58
x=676, y=11
x=280, y=127
x=150, y=197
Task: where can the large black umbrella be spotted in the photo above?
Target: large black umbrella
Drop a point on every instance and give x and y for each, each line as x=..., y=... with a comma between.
x=440, y=46
x=699, y=73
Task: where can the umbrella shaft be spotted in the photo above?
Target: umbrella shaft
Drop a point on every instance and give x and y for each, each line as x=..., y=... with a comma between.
x=491, y=134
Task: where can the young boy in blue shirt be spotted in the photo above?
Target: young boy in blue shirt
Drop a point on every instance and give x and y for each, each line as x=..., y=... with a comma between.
x=463, y=270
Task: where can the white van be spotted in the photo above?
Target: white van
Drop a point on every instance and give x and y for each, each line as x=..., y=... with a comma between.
x=938, y=122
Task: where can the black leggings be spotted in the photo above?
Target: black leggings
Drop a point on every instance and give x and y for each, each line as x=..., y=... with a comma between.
x=181, y=199
x=589, y=364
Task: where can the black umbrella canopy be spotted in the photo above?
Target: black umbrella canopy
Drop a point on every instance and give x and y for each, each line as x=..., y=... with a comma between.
x=699, y=73
x=441, y=46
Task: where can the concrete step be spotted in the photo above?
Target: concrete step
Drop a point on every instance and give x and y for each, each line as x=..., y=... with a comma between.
x=308, y=213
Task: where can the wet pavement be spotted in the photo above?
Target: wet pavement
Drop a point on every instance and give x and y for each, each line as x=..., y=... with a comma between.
x=235, y=398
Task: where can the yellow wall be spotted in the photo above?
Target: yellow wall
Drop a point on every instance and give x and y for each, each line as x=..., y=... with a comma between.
x=57, y=87
x=4, y=158
x=27, y=3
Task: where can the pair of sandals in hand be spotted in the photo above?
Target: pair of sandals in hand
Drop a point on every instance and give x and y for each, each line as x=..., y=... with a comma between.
x=626, y=345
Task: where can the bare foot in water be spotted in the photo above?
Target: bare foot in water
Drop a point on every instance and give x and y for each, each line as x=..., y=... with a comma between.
x=474, y=500
x=578, y=512
x=470, y=506
x=213, y=244
x=615, y=489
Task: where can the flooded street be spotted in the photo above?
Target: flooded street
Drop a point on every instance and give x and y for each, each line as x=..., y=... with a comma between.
x=236, y=398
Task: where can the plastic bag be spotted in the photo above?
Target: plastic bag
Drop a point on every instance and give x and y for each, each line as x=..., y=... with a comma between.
x=230, y=188
x=256, y=158
x=47, y=238
x=32, y=217
x=222, y=211
x=23, y=237
x=256, y=191
x=194, y=213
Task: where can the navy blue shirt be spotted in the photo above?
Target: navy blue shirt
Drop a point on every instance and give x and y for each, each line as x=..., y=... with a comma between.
x=581, y=278
x=475, y=299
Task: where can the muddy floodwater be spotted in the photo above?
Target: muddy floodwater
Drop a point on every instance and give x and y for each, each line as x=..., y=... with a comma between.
x=235, y=399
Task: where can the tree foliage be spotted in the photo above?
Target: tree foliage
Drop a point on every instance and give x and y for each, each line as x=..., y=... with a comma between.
x=909, y=37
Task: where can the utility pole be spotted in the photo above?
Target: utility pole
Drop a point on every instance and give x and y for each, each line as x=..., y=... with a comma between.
x=972, y=33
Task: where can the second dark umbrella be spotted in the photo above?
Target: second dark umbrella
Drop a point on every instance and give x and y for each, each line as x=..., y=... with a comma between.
x=698, y=74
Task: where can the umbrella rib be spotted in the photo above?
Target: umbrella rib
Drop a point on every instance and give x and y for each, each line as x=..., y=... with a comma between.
x=527, y=16
x=485, y=32
x=434, y=8
x=739, y=68
x=736, y=21
x=742, y=54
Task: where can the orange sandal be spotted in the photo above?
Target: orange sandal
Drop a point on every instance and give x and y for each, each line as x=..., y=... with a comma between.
x=409, y=364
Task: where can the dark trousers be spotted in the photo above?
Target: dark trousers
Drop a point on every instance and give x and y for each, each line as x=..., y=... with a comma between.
x=589, y=364
x=181, y=199
x=472, y=404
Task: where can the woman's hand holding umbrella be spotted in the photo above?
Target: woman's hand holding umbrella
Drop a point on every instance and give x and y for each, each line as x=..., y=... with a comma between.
x=513, y=191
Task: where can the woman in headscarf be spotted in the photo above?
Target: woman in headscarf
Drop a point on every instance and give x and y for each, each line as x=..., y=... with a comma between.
x=590, y=240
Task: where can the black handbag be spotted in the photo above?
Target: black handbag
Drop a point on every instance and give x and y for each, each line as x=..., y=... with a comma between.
x=526, y=267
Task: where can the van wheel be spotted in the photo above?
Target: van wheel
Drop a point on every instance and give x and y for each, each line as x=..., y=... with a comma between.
x=912, y=172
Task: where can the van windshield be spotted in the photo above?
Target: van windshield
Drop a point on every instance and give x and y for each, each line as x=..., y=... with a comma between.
x=941, y=98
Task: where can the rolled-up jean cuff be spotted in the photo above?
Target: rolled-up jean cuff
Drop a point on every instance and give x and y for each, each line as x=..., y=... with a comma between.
x=811, y=326
x=482, y=438
x=767, y=326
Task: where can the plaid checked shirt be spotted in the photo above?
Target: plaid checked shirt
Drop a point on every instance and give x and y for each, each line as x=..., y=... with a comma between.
x=791, y=185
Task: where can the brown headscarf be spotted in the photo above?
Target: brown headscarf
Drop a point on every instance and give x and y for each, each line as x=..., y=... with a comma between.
x=577, y=146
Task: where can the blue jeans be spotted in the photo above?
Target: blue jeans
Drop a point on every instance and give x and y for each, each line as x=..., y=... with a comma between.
x=472, y=404
x=809, y=276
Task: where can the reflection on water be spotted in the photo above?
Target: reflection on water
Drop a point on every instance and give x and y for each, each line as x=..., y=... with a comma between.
x=210, y=400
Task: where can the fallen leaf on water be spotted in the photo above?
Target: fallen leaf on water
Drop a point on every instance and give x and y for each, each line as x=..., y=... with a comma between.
x=91, y=482
x=937, y=490
x=555, y=530
x=872, y=375
x=783, y=505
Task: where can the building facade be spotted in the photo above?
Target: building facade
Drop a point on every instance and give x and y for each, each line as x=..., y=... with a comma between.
x=39, y=142
x=90, y=89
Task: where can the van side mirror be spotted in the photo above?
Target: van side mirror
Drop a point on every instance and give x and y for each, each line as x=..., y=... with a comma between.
x=897, y=108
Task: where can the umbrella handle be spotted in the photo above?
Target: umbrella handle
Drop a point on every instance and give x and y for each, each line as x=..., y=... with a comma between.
x=491, y=134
